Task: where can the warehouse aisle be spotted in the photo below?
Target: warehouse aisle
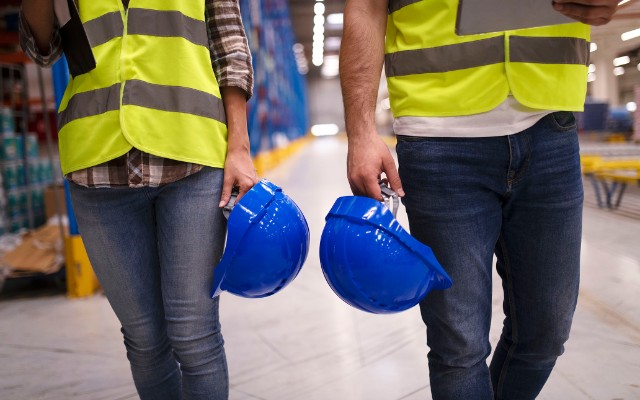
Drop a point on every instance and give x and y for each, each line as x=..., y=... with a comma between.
x=305, y=343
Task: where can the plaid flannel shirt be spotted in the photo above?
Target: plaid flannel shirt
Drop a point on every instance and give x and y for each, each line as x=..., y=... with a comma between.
x=231, y=61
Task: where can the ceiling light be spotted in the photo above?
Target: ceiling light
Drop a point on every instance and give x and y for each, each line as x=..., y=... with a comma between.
x=324, y=130
x=632, y=106
x=593, y=47
x=591, y=77
x=624, y=60
x=617, y=71
x=335, y=19
x=332, y=43
x=630, y=35
x=318, y=9
x=592, y=68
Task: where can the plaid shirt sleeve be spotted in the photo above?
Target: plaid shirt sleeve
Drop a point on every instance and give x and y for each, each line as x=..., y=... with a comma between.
x=228, y=45
x=28, y=44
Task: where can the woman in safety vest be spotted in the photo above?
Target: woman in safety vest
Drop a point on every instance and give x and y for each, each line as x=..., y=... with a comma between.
x=488, y=164
x=152, y=141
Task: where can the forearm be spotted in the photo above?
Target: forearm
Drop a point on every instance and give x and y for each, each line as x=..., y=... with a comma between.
x=40, y=17
x=361, y=59
x=235, y=104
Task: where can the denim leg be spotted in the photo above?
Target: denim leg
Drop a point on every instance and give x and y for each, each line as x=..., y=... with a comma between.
x=191, y=232
x=539, y=258
x=520, y=196
x=453, y=203
x=153, y=250
x=118, y=231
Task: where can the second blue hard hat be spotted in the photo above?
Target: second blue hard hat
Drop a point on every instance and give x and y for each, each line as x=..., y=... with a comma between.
x=267, y=243
x=371, y=262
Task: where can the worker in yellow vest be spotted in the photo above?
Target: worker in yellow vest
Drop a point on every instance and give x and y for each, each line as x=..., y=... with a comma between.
x=488, y=165
x=152, y=141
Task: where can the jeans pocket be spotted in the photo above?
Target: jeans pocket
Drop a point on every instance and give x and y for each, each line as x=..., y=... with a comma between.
x=564, y=120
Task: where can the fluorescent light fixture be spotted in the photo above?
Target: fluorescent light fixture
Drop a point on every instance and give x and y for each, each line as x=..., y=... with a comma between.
x=318, y=20
x=318, y=9
x=630, y=35
x=335, y=19
x=329, y=72
x=316, y=61
x=325, y=130
x=593, y=47
x=632, y=106
x=617, y=71
x=591, y=77
x=332, y=43
x=619, y=61
x=592, y=68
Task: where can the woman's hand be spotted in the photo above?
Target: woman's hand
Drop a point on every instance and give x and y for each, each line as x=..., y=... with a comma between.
x=238, y=167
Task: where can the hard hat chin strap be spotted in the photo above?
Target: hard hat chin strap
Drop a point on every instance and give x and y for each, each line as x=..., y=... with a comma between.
x=389, y=198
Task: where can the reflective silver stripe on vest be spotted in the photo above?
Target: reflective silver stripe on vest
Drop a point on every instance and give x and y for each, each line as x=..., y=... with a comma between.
x=545, y=50
x=167, y=24
x=173, y=98
x=540, y=50
x=445, y=58
x=395, y=5
x=104, y=28
x=89, y=104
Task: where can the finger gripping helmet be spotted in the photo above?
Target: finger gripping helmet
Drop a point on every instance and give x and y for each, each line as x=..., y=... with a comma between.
x=371, y=262
x=267, y=244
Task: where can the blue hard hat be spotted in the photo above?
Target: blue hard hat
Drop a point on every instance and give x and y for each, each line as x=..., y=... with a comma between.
x=371, y=262
x=267, y=243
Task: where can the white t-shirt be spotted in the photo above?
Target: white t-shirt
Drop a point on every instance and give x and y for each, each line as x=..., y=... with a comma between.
x=506, y=119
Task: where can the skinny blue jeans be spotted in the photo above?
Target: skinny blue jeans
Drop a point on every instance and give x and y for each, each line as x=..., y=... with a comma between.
x=519, y=197
x=153, y=250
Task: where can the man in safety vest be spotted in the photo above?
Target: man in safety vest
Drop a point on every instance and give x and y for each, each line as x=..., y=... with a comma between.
x=152, y=141
x=488, y=164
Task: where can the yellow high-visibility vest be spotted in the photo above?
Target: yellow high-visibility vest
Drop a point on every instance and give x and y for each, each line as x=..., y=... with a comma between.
x=153, y=88
x=431, y=71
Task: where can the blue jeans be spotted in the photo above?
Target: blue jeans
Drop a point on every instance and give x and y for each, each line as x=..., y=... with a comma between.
x=518, y=197
x=153, y=250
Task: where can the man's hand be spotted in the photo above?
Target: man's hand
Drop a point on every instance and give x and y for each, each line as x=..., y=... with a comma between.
x=367, y=159
x=591, y=12
x=361, y=58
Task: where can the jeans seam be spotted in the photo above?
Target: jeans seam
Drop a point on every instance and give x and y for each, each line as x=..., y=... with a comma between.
x=514, y=325
x=509, y=180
